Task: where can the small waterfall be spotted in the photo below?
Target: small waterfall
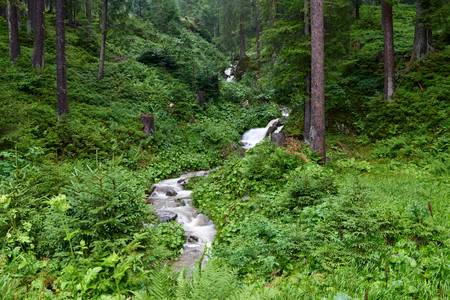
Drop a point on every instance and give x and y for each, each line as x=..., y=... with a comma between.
x=254, y=136
x=229, y=73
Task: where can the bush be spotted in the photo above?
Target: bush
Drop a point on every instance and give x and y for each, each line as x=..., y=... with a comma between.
x=107, y=203
x=308, y=186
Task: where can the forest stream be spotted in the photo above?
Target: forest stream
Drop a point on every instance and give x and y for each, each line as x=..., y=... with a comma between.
x=173, y=202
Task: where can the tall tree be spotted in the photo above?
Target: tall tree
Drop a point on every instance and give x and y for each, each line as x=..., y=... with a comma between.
x=357, y=4
x=423, y=32
x=13, y=25
x=61, y=73
x=39, y=35
x=317, y=129
x=389, y=54
x=307, y=102
x=242, y=37
x=258, y=36
x=104, y=25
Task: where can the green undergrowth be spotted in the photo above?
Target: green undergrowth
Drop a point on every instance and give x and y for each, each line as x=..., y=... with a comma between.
x=344, y=230
x=73, y=218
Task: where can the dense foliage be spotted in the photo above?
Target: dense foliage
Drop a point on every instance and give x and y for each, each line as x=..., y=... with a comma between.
x=372, y=223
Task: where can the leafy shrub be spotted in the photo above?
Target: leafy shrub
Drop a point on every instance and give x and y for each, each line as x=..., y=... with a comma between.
x=107, y=203
x=308, y=186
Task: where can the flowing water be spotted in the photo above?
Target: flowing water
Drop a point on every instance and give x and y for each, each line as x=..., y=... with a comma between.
x=173, y=202
x=229, y=75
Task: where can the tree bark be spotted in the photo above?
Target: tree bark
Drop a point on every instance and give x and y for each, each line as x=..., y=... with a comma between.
x=13, y=25
x=61, y=73
x=307, y=102
x=317, y=129
x=101, y=68
x=423, y=33
x=39, y=35
x=389, y=55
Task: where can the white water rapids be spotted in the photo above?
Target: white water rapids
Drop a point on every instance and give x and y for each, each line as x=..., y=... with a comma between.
x=173, y=202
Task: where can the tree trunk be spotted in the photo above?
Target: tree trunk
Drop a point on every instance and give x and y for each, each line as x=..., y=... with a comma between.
x=242, y=54
x=258, y=38
x=101, y=68
x=306, y=18
x=61, y=73
x=317, y=129
x=357, y=6
x=39, y=32
x=13, y=23
x=31, y=12
x=389, y=55
x=88, y=8
x=273, y=12
x=307, y=102
x=423, y=33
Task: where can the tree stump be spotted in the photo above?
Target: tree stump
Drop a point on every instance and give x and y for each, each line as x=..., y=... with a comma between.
x=149, y=124
x=201, y=98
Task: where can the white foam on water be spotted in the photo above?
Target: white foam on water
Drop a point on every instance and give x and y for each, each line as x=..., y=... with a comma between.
x=254, y=136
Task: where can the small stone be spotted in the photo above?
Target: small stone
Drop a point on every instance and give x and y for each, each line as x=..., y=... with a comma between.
x=166, y=216
x=193, y=239
x=171, y=192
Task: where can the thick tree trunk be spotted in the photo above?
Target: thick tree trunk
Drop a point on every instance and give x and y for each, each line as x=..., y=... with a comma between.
x=317, y=129
x=307, y=102
x=101, y=68
x=39, y=35
x=31, y=12
x=389, y=55
x=423, y=33
x=13, y=24
x=61, y=73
